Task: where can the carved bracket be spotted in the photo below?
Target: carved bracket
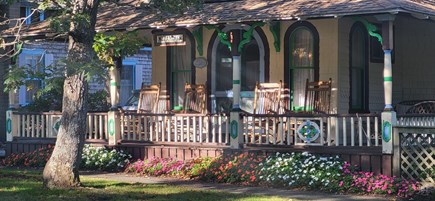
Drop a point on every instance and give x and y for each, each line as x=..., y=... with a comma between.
x=197, y=33
x=371, y=28
x=247, y=36
x=222, y=35
x=275, y=28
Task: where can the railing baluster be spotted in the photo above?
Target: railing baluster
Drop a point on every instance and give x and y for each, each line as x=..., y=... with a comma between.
x=368, y=132
x=360, y=131
x=220, y=128
x=289, y=130
x=328, y=121
x=281, y=130
x=376, y=132
x=213, y=129
x=352, y=132
x=267, y=130
x=337, y=137
x=227, y=129
x=207, y=128
x=188, y=128
x=201, y=118
x=195, y=128
x=344, y=132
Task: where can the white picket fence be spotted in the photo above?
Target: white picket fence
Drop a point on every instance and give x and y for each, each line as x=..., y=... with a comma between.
x=46, y=125
x=178, y=128
x=330, y=130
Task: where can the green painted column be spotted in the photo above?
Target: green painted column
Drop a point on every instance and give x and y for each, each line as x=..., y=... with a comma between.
x=114, y=127
x=236, y=122
x=388, y=81
x=114, y=78
x=9, y=125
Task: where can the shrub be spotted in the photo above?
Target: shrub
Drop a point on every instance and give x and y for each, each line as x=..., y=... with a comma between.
x=241, y=168
x=36, y=158
x=100, y=158
x=92, y=158
x=157, y=167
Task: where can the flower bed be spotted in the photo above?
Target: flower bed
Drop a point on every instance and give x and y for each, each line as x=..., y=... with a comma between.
x=93, y=158
x=295, y=170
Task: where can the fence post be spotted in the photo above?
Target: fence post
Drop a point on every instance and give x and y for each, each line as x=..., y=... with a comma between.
x=114, y=126
x=388, y=121
x=396, y=153
x=10, y=125
x=236, y=130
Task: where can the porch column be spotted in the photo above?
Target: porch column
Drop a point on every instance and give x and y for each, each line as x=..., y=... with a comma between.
x=114, y=127
x=389, y=118
x=236, y=122
x=114, y=87
x=11, y=121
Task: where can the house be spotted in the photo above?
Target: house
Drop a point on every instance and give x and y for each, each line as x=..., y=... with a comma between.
x=38, y=52
x=377, y=54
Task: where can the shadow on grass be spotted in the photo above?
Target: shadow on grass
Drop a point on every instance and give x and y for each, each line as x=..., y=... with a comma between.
x=27, y=185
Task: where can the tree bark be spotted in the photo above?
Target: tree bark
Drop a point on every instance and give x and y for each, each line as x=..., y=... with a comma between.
x=62, y=170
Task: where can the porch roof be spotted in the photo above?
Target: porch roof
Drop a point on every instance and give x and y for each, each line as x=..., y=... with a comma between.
x=131, y=16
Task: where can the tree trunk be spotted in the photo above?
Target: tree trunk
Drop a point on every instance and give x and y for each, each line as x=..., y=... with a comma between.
x=62, y=170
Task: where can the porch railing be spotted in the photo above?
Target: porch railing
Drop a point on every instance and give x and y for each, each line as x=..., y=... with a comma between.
x=46, y=125
x=323, y=130
x=422, y=120
x=181, y=128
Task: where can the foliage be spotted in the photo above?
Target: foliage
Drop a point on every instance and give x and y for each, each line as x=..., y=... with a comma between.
x=116, y=46
x=242, y=168
x=156, y=167
x=36, y=158
x=98, y=101
x=302, y=170
x=93, y=158
x=295, y=170
x=99, y=158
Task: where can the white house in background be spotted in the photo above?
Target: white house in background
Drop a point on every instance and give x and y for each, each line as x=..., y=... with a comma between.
x=136, y=69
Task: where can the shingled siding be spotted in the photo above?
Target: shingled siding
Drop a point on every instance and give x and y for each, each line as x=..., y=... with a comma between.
x=59, y=51
x=3, y=98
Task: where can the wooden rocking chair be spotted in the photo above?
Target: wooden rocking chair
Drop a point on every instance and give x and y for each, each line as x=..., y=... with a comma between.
x=318, y=97
x=148, y=99
x=267, y=99
x=195, y=99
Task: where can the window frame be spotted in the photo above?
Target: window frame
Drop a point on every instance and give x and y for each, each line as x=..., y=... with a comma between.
x=22, y=92
x=365, y=91
x=288, y=69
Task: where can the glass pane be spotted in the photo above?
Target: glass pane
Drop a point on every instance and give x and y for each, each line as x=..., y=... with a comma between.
x=357, y=88
x=250, y=66
x=32, y=87
x=302, y=48
x=181, y=67
x=127, y=76
x=224, y=68
x=300, y=77
x=358, y=67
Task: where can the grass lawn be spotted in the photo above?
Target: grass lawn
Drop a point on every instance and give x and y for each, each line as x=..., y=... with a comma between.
x=27, y=185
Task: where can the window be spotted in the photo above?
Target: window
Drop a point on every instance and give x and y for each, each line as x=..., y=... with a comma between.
x=358, y=69
x=36, y=60
x=127, y=80
x=301, y=52
x=254, y=57
x=37, y=16
x=180, y=69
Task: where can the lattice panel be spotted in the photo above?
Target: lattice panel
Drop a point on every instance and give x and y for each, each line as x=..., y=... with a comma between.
x=417, y=156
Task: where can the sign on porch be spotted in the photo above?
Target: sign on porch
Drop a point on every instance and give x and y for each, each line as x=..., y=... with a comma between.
x=169, y=39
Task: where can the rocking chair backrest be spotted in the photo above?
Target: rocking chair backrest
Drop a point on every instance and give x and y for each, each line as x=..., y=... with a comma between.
x=267, y=98
x=195, y=97
x=318, y=97
x=148, y=99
